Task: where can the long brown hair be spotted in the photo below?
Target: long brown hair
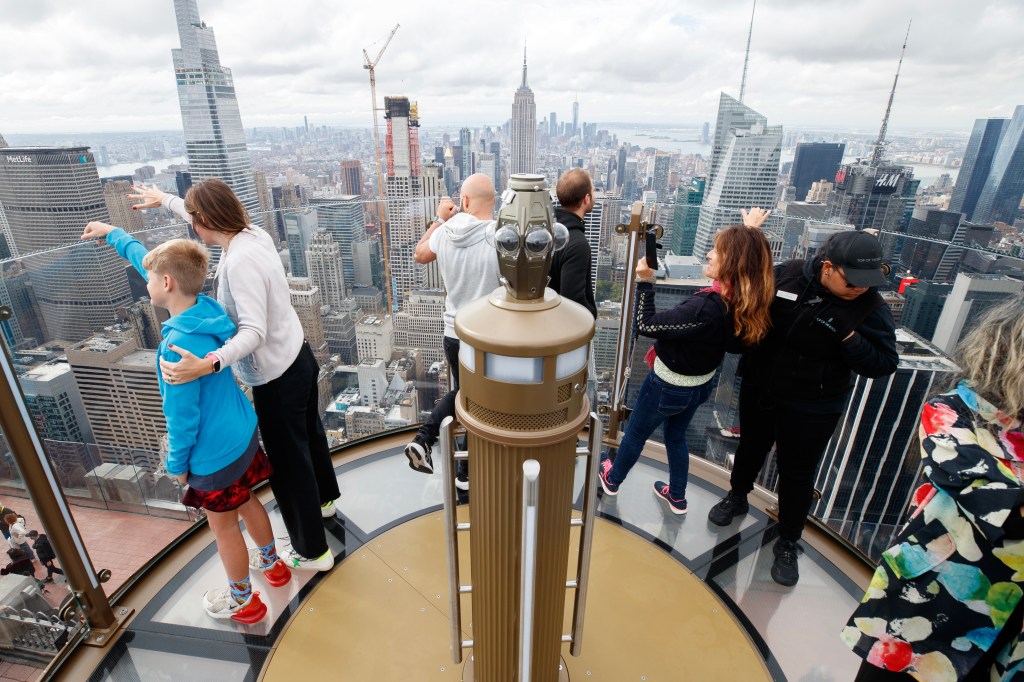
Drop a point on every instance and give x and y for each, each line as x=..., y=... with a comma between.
x=219, y=209
x=748, y=281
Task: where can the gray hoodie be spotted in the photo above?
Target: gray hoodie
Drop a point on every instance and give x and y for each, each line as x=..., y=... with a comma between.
x=468, y=264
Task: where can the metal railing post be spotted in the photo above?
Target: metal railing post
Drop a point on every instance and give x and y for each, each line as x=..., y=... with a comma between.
x=48, y=500
x=528, y=566
x=594, y=440
x=451, y=521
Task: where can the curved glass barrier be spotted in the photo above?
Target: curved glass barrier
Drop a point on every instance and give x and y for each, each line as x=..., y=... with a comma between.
x=38, y=611
x=82, y=336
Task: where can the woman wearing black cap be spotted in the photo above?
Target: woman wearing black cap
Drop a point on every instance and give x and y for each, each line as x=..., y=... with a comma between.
x=828, y=321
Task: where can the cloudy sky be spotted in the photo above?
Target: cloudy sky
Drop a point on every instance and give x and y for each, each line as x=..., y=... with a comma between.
x=102, y=65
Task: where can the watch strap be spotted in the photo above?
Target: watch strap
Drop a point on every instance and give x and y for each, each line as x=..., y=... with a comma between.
x=216, y=361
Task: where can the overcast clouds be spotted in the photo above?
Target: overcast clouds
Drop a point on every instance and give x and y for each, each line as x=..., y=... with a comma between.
x=101, y=65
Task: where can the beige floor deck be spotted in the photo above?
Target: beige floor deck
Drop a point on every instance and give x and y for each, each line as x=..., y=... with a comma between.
x=391, y=597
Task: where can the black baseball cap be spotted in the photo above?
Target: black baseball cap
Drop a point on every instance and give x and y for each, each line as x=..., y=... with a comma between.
x=859, y=254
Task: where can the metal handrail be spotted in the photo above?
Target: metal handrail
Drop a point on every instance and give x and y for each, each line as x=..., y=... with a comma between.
x=528, y=565
x=451, y=526
x=586, y=535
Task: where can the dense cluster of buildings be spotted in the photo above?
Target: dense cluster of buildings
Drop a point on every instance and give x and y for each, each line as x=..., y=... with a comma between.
x=83, y=333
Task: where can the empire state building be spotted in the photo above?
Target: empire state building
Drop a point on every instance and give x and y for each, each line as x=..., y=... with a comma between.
x=523, y=133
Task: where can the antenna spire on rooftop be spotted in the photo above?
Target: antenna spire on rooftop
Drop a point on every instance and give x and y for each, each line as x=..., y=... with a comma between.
x=746, y=58
x=876, y=155
x=524, y=86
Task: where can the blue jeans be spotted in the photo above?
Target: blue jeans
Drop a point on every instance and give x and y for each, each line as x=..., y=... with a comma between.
x=660, y=402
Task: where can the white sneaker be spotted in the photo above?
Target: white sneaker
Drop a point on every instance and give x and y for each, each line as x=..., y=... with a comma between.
x=328, y=510
x=220, y=604
x=296, y=561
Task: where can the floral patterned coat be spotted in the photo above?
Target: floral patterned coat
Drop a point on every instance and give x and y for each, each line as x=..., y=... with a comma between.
x=943, y=592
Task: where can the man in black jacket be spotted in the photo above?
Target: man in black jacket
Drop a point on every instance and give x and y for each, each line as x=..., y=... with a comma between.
x=828, y=321
x=571, y=275
x=45, y=554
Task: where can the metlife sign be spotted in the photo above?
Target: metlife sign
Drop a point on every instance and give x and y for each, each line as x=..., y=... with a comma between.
x=18, y=158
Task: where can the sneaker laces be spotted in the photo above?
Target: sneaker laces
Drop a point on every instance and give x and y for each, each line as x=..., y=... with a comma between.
x=788, y=553
x=664, y=491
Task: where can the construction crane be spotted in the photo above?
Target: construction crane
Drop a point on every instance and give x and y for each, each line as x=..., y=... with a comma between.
x=382, y=214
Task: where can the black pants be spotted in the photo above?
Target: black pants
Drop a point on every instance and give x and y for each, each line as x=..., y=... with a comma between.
x=288, y=411
x=445, y=406
x=799, y=437
x=51, y=569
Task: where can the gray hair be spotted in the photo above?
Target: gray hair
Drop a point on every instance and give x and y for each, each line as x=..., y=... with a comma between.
x=991, y=357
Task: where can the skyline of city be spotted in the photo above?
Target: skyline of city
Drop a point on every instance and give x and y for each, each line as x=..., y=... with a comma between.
x=803, y=71
x=742, y=166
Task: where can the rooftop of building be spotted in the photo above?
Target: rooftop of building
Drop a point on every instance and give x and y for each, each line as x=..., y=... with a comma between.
x=100, y=344
x=141, y=358
x=46, y=372
x=373, y=320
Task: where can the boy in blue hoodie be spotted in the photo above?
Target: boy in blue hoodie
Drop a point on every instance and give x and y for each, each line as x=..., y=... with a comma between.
x=211, y=426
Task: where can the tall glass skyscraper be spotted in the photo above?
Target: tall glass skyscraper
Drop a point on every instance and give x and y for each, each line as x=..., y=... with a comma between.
x=49, y=194
x=815, y=161
x=977, y=163
x=214, y=139
x=686, y=217
x=407, y=212
x=344, y=218
x=874, y=197
x=523, y=132
x=928, y=260
x=1004, y=187
x=744, y=168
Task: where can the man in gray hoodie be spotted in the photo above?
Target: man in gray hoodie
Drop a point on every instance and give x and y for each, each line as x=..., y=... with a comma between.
x=469, y=268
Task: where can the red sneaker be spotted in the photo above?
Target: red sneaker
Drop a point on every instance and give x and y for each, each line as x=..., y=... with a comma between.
x=278, y=574
x=220, y=604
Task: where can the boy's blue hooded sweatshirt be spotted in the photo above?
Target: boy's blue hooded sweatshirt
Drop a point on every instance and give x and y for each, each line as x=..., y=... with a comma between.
x=211, y=425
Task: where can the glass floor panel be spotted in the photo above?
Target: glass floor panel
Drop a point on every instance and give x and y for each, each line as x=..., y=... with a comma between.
x=796, y=630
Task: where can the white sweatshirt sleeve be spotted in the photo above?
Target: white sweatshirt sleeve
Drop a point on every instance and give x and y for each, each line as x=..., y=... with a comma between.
x=176, y=205
x=247, y=289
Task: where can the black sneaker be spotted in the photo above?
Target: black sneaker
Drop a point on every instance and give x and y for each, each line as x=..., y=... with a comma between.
x=462, y=481
x=784, y=568
x=418, y=453
x=731, y=506
x=677, y=506
x=602, y=473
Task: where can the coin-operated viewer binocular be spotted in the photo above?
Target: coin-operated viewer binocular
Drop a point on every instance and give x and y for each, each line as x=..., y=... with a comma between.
x=523, y=361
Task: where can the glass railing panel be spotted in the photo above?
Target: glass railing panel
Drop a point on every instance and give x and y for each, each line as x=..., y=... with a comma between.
x=38, y=612
x=870, y=468
x=381, y=362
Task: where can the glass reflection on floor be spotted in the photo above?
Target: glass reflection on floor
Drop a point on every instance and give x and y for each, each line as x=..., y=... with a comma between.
x=796, y=630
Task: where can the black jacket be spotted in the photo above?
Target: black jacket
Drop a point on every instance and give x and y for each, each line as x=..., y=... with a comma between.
x=691, y=338
x=20, y=565
x=805, y=360
x=570, y=268
x=43, y=548
x=6, y=510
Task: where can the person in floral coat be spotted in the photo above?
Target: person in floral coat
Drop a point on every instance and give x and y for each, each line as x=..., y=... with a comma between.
x=945, y=602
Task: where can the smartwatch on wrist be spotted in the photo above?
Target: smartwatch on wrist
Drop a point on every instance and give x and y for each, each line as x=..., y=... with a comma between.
x=438, y=219
x=216, y=361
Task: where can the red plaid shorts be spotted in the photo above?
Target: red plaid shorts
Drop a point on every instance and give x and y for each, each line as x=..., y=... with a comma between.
x=236, y=494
